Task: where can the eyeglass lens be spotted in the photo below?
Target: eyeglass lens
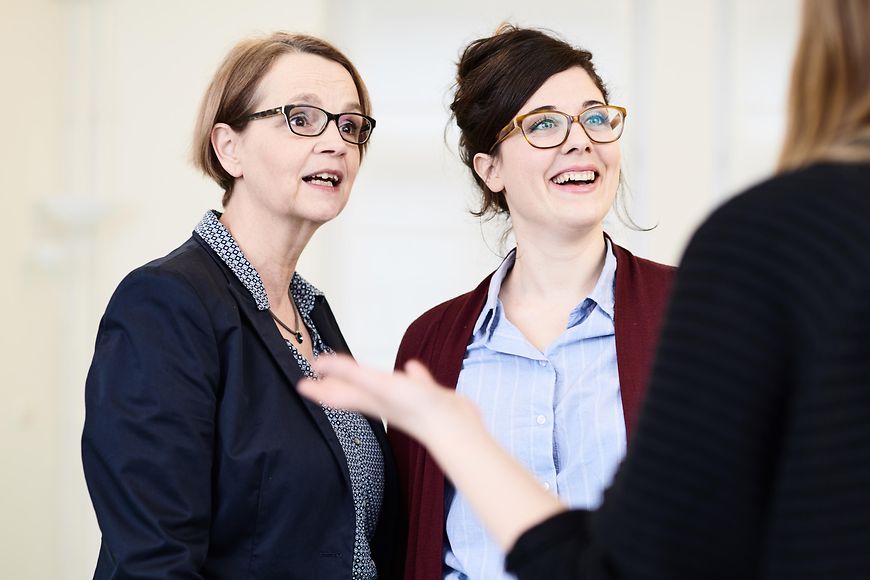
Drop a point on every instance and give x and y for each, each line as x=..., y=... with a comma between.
x=550, y=128
x=311, y=121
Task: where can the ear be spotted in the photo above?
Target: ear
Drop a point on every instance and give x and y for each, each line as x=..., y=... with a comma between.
x=487, y=168
x=225, y=142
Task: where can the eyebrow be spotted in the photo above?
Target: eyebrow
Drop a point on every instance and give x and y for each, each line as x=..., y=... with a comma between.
x=586, y=105
x=312, y=99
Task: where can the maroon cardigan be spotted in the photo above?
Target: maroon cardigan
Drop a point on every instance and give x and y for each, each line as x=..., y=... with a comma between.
x=439, y=339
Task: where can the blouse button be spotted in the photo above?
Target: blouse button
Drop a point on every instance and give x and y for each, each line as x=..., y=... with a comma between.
x=541, y=419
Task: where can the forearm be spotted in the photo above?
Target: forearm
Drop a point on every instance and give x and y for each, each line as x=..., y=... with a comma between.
x=506, y=497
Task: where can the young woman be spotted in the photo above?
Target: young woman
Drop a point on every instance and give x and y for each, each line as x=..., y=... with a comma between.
x=201, y=459
x=554, y=346
x=750, y=460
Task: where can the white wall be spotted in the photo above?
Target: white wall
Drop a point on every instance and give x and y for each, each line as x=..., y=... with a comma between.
x=99, y=102
x=29, y=417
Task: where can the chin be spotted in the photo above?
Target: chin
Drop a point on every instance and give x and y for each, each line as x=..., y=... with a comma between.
x=321, y=208
x=323, y=215
x=582, y=222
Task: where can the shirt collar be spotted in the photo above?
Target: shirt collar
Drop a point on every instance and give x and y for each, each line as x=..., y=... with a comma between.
x=602, y=294
x=492, y=306
x=219, y=239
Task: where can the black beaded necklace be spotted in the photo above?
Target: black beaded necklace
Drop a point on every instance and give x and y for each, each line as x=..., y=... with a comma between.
x=297, y=334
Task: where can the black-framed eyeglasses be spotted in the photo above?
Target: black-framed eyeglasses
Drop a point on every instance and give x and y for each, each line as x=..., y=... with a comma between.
x=311, y=121
x=546, y=128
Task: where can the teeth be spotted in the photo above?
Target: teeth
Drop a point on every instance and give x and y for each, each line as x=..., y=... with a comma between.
x=574, y=176
x=329, y=178
x=323, y=179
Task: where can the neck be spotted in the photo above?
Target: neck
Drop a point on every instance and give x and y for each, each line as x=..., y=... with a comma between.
x=271, y=243
x=556, y=271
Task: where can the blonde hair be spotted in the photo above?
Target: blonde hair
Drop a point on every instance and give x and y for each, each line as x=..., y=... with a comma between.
x=829, y=104
x=232, y=92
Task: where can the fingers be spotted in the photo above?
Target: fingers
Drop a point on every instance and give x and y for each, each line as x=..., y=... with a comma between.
x=324, y=364
x=344, y=384
x=406, y=400
x=338, y=394
x=417, y=371
x=345, y=368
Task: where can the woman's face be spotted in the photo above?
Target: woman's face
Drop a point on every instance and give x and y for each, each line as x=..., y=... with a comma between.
x=547, y=189
x=288, y=175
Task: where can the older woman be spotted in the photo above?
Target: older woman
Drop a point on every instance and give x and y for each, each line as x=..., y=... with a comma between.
x=555, y=345
x=750, y=460
x=201, y=458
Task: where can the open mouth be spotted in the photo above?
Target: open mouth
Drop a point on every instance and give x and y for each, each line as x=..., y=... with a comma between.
x=575, y=178
x=324, y=179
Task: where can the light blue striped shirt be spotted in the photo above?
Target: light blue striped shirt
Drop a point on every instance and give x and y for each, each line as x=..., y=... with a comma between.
x=558, y=412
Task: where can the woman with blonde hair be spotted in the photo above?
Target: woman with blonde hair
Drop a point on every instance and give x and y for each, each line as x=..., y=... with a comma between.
x=201, y=458
x=750, y=459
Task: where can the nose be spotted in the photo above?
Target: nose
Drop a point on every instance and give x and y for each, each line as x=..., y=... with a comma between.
x=330, y=141
x=577, y=139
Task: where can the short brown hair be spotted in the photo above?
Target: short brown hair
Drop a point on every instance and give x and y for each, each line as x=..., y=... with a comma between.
x=233, y=91
x=829, y=103
x=494, y=77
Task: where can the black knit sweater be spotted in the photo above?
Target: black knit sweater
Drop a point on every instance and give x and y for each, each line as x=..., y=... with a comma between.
x=752, y=455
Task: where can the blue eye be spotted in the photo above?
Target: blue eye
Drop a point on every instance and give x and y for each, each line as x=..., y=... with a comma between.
x=542, y=124
x=595, y=120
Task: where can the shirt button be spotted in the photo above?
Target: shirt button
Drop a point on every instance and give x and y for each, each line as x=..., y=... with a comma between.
x=543, y=363
x=356, y=441
x=547, y=486
x=541, y=419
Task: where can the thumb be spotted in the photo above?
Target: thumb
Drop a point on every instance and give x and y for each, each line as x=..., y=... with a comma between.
x=417, y=371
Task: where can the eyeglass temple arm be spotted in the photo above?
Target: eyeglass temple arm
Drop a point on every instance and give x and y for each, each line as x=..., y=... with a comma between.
x=505, y=133
x=266, y=113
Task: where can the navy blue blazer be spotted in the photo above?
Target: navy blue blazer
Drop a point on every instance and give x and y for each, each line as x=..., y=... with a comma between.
x=201, y=459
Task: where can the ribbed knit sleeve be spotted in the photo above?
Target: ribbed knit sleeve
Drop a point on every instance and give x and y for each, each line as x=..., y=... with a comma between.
x=752, y=454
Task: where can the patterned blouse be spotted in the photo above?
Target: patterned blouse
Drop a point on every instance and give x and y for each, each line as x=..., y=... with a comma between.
x=365, y=461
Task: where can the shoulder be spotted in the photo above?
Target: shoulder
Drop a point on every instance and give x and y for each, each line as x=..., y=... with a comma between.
x=187, y=273
x=818, y=209
x=639, y=274
x=815, y=182
x=796, y=243
x=192, y=260
x=164, y=302
x=448, y=311
x=648, y=267
x=444, y=326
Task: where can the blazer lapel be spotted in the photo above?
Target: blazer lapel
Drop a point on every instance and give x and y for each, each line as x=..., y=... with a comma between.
x=277, y=348
x=327, y=326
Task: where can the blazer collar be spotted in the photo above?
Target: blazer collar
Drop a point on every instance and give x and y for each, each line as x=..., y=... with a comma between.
x=274, y=344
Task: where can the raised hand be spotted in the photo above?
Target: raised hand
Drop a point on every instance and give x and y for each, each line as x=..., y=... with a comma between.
x=506, y=497
x=410, y=400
